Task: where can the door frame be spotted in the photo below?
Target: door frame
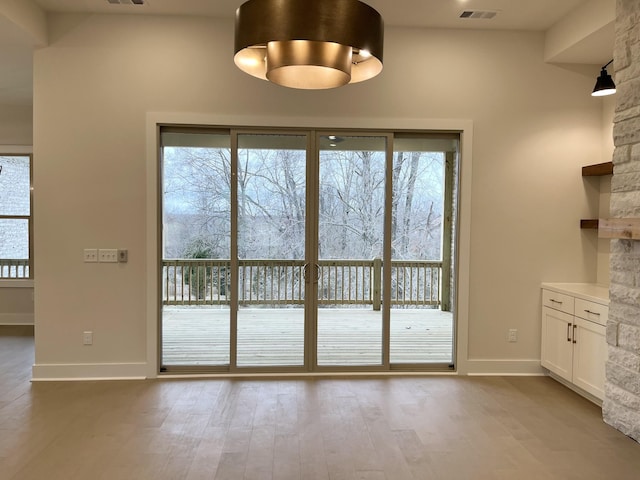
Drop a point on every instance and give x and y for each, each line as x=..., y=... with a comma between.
x=156, y=120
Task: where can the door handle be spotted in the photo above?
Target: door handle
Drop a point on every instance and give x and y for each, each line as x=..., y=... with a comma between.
x=568, y=332
x=574, y=333
x=307, y=273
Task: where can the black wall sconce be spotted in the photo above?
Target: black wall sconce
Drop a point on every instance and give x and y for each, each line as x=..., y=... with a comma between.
x=604, y=84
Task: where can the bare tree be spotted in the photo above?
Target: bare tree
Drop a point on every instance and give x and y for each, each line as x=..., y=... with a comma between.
x=272, y=202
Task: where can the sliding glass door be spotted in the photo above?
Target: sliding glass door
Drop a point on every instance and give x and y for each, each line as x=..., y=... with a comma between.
x=270, y=248
x=350, y=249
x=196, y=280
x=303, y=250
x=422, y=216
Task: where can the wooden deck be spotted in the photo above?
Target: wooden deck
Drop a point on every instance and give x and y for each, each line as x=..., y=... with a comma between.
x=271, y=336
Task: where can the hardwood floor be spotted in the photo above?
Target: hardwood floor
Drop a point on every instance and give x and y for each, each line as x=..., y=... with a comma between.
x=431, y=427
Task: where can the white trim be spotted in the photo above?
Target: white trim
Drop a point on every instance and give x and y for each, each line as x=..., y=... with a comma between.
x=394, y=373
x=26, y=283
x=464, y=227
x=16, y=149
x=358, y=123
x=152, y=246
x=464, y=252
x=88, y=371
x=16, y=319
x=504, y=367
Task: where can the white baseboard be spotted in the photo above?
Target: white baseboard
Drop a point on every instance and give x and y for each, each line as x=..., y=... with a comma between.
x=88, y=371
x=138, y=371
x=16, y=319
x=504, y=367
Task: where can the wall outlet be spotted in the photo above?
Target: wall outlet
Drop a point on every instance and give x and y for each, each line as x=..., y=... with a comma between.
x=512, y=335
x=123, y=256
x=90, y=255
x=87, y=338
x=108, y=255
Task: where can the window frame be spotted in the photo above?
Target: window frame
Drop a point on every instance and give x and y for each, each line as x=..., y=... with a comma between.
x=5, y=280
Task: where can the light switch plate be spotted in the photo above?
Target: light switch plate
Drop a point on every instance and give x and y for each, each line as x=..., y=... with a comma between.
x=90, y=255
x=108, y=255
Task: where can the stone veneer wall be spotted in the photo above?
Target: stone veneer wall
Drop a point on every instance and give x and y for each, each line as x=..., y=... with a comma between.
x=621, y=407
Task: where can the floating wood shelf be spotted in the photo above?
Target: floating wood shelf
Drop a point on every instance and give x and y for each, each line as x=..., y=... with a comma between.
x=624, y=228
x=590, y=223
x=598, y=169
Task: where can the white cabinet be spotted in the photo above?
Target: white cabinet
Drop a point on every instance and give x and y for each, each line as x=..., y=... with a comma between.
x=557, y=349
x=573, y=335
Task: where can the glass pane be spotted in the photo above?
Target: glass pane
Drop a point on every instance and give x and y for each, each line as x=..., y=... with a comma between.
x=196, y=249
x=271, y=249
x=14, y=248
x=421, y=332
x=15, y=186
x=14, y=238
x=350, y=244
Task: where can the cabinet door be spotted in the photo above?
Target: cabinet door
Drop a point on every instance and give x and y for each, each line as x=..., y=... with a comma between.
x=589, y=357
x=557, y=349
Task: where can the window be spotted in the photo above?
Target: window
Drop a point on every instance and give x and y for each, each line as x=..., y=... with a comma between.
x=15, y=216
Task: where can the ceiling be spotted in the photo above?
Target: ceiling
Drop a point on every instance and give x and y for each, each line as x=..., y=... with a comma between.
x=513, y=14
x=16, y=46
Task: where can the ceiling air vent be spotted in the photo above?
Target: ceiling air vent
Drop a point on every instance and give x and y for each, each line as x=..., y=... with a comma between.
x=126, y=2
x=483, y=14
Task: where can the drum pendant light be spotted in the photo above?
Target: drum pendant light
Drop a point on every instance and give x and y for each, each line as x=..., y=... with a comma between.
x=309, y=44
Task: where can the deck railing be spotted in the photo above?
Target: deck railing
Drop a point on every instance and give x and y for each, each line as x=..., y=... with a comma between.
x=281, y=282
x=14, y=268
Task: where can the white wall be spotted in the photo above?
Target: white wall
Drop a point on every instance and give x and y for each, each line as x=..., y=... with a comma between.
x=534, y=126
x=16, y=126
x=16, y=300
x=603, y=186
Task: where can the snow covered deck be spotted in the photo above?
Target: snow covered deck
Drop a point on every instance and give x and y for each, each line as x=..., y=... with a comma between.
x=199, y=335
